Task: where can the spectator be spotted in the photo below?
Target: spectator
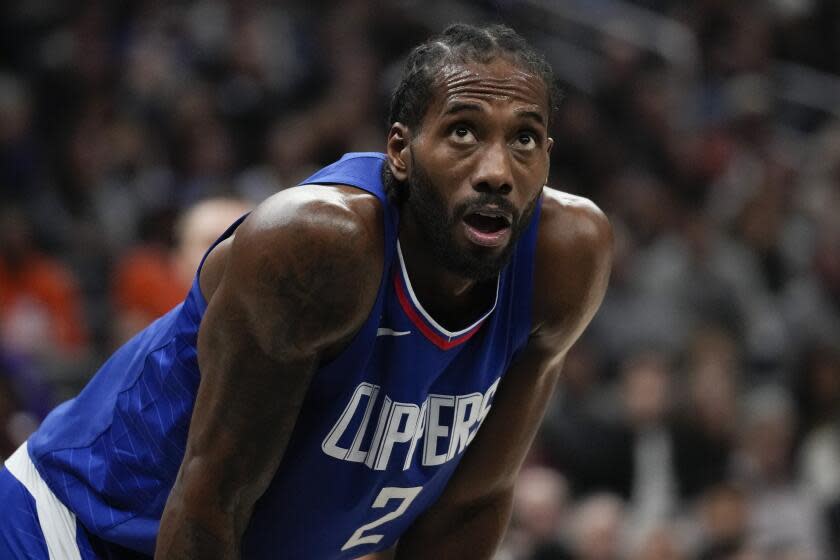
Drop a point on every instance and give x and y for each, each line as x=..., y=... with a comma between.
x=723, y=523
x=705, y=427
x=597, y=529
x=819, y=456
x=540, y=511
x=660, y=543
x=782, y=516
x=151, y=279
x=40, y=306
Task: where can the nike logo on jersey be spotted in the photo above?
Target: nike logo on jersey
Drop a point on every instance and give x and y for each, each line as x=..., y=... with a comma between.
x=441, y=427
x=389, y=332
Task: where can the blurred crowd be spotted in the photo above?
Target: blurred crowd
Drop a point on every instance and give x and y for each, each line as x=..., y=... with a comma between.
x=699, y=416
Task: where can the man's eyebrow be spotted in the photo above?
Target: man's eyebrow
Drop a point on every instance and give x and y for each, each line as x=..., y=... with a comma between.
x=530, y=113
x=462, y=106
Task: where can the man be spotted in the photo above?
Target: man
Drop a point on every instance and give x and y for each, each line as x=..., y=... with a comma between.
x=351, y=335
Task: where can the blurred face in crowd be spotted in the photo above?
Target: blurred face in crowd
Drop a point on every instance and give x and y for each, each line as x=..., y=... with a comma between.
x=478, y=163
x=827, y=260
x=723, y=514
x=823, y=378
x=660, y=544
x=646, y=390
x=539, y=502
x=598, y=526
x=199, y=227
x=768, y=445
x=768, y=420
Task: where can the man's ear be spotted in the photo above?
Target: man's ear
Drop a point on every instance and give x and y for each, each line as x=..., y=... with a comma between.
x=397, y=148
x=548, y=151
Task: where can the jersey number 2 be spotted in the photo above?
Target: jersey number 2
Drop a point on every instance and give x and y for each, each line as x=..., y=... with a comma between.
x=406, y=495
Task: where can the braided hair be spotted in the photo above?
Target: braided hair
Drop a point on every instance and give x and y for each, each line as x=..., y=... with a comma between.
x=461, y=43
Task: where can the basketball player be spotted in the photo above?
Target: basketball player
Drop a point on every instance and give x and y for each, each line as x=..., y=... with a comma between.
x=362, y=361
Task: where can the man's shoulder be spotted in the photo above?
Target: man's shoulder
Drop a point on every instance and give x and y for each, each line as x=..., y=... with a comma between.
x=333, y=222
x=568, y=219
x=573, y=255
x=572, y=232
x=314, y=254
x=318, y=210
x=325, y=231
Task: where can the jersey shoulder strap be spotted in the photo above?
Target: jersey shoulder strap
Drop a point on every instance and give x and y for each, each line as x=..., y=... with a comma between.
x=362, y=170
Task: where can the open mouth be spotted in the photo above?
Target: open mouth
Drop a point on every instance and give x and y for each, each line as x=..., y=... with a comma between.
x=487, y=223
x=488, y=227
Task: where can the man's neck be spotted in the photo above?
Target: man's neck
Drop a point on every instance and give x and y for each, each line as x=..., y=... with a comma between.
x=453, y=300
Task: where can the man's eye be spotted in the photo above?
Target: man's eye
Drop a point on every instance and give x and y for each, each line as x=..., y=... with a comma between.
x=527, y=141
x=462, y=134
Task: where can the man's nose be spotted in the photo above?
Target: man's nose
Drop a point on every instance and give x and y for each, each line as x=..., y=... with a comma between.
x=493, y=172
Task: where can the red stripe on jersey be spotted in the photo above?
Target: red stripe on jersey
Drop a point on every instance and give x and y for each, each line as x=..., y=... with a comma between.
x=420, y=323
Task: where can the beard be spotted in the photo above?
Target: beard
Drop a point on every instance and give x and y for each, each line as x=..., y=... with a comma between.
x=437, y=227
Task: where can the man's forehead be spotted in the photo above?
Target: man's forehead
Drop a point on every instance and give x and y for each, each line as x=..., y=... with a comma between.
x=497, y=80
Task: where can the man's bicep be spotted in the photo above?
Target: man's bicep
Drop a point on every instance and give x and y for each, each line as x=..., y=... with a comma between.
x=275, y=313
x=244, y=411
x=301, y=278
x=246, y=407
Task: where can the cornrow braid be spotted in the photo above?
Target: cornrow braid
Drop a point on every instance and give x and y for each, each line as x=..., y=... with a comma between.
x=461, y=43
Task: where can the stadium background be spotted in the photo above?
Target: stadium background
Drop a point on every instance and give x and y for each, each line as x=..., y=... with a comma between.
x=699, y=416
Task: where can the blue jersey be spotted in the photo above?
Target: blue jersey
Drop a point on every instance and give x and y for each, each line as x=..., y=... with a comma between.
x=382, y=428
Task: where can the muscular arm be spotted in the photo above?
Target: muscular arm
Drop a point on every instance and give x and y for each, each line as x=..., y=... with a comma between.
x=573, y=263
x=279, y=308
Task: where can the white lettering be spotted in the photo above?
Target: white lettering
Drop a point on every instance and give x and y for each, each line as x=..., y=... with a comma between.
x=485, y=408
x=377, y=437
x=418, y=433
x=393, y=434
x=357, y=455
x=467, y=409
x=434, y=430
x=447, y=424
x=330, y=443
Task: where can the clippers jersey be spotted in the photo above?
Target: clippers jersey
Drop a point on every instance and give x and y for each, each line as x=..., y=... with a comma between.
x=381, y=430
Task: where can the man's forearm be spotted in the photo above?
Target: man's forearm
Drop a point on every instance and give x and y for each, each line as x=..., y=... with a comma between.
x=192, y=540
x=473, y=532
x=200, y=531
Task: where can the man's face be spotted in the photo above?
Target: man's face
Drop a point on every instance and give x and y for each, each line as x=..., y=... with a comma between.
x=478, y=165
